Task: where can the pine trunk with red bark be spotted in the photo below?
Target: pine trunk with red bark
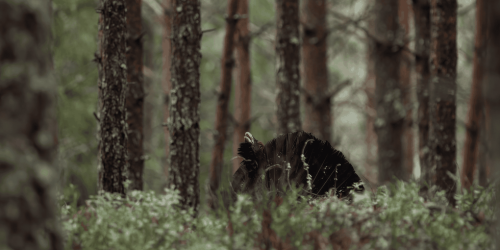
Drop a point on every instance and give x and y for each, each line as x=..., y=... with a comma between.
x=318, y=112
x=443, y=88
x=474, y=116
x=406, y=86
x=222, y=115
x=243, y=83
x=422, y=18
x=134, y=101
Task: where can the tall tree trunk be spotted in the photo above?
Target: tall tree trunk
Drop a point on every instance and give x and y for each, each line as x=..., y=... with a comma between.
x=318, y=112
x=184, y=120
x=443, y=94
x=476, y=101
x=406, y=88
x=149, y=85
x=422, y=15
x=491, y=93
x=243, y=86
x=28, y=133
x=113, y=88
x=482, y=161
x=134, y=101
x=370, y=135
x=227, y=64
x=390, y=110
x=166, y=79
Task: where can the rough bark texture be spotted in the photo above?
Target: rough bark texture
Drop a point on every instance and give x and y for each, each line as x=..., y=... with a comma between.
x=483, y=163
x=243, y=85
x=28, y=136
x=134, y=101
x=474, y=116
x=443, y=90
x=184, y=120
x=113, y=131
x=406, y=86
x=491, y=93
x=227, y=64
x=390, y=110
x=370, y=135
x=422, y=15
x=318, y=113
x=287, y=66
x=166, y=79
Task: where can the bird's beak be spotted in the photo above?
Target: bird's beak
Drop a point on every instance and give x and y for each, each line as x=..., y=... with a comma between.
x=249, y=138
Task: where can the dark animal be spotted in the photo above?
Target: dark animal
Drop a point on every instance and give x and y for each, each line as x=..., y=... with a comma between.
x=298, y=159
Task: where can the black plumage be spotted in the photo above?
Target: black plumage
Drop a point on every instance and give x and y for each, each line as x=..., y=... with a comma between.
x=280, y=163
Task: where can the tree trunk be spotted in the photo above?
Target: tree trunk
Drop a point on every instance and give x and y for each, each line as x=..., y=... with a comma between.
x=227, y=64
x=476, y=100
x=422, y=15
x=243, y=86
x=491, y=93
x=318, y=112
x=149, y=85
x=134, y=101
x=370, y=135
x=483, y=163
x=113, y=131
x=166, y=79
x=443, y=94
x=390, y=110
x=406, y=87
x=28, y=133
x=184, y=120
x=287, y=66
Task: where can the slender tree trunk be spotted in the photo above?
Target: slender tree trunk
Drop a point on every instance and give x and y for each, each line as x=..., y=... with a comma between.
x=114, y=85
x=184, y=120
x=406, y=86
x=476, y=100
x=491, y=93
x=483, y=165
x=28, y=133
x=390, y=109
x=227, y=64
x=243, y=86
x=149, y=85
x=443, y=94
x=318, y=112
x=422, y=15
x=166, y=79
x=370, y=135
x=134, y=101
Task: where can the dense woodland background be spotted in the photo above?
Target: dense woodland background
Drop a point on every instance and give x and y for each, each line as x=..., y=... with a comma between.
x=312, y=66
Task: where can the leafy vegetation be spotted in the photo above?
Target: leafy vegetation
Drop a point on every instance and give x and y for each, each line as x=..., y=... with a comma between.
x=394, y=217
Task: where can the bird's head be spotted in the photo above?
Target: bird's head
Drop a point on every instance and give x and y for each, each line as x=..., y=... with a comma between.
x=254, y=157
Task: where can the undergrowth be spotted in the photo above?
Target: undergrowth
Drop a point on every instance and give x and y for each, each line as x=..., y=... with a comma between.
x=393, y=217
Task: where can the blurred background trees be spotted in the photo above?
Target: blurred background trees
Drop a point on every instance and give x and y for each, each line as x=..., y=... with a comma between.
x=349, y=50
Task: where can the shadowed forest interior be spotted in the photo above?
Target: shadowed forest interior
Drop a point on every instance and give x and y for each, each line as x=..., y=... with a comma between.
x=163, y=95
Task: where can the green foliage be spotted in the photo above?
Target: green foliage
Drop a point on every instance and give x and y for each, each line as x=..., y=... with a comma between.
x=394, y=217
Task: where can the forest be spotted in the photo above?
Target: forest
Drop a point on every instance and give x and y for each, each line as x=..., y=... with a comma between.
x=249, y=124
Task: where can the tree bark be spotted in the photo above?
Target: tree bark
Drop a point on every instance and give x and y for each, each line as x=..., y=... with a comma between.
x=406, y=86
x=422, y=17
x=227, y=64
x=134, y=101
x=472, y=134
x=28, y=132
x=243, y=86
x=390, y=110
x=184, y=120
x=443, y=94
x=166, y=79
x=113, y=132
x=287, y=66
x=318, y=112
x=491, y=94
